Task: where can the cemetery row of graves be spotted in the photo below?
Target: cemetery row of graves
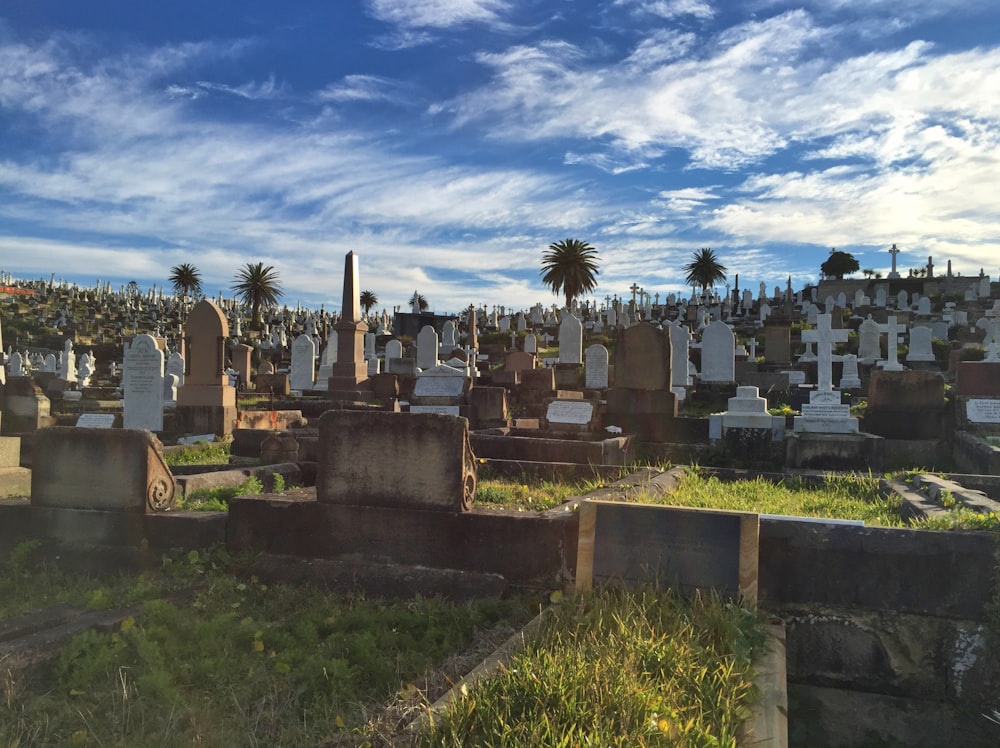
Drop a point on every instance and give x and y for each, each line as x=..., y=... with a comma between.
x=386, y=426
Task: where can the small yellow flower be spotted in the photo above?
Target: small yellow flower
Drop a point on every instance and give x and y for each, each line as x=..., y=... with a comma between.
x=258, y=645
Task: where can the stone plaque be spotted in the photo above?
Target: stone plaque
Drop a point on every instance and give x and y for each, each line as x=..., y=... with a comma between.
x=688, y=549
x=982, y=411
x=447, y=410
x=439, y=387
x=824, y=410
x=95, y=420
x=579, y=412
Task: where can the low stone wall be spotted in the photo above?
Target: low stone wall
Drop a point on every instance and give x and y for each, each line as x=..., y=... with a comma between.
x=888, y=632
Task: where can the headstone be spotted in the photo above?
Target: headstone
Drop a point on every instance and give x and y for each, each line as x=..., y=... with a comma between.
x=449, y=337
x=573, y=415
x=570, y=340
x=393, y=349
x=596, y=370
x=123, y=470
x=432, y=465
x=892, y=331
x=880, y=296
x=504, y=325
x=869, y=341
x=15, y=365
x=300, y=377
x=175, y=366
x=206, y=402
x=689, y=550
x=530, y=343
x=142, y=384
x=680, y=342
x=718, y=353
x=427, y=348
x=851, y=378
x=920, y=344
x=924, y=306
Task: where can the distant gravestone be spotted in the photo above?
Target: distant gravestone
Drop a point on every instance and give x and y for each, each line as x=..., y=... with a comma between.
x=570, y=340
x=449, y=337
x=924, y=306
x=427, y=348
x=175, y=366
x=680, y=344
x=393, y=349
x=850, y=378
x=718, y=353
x=869, y=345
x=596, y=369
x=206, y=402
x=920, y=344
x=880, y=296
x=530, y=343
x=142, y=379
x=303, y=365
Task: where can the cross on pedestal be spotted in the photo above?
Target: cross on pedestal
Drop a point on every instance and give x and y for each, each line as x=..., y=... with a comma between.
x=892, y=330
x=824, y=336
x=634, y=288
x=893, y=251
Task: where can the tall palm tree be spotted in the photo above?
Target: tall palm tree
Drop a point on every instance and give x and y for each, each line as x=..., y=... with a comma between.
x=368, y=300
x=186, y=279
x=257, y=285
x=570, y=267
x=704, y=270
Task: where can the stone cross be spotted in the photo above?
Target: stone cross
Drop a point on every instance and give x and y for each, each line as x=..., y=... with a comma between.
x=892, y=330
x=824, y=336
x=894, y=251
x=634, y=288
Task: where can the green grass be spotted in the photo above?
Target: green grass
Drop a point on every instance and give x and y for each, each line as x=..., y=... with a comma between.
x=26, y=583
x=528, y=494
x=217, y=499
x=854, y=497
x=617, y=669
x=203, y=453
x=240, y=663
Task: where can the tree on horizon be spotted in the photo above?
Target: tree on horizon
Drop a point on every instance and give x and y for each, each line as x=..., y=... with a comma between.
x=570, y=267
x=705, y=270
x=186, y=279
x=839, y=264
x=257, y=285
x=368, y=299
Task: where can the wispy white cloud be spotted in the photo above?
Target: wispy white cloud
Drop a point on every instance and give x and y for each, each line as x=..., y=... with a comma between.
x=670, y=8
x=438, y=13
x=363, y=88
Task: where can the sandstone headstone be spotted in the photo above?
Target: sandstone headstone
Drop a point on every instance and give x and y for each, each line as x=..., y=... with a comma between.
x=596, y=370
x=718, y=353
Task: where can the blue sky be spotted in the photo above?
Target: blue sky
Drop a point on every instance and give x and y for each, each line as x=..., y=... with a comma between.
x=448, y=142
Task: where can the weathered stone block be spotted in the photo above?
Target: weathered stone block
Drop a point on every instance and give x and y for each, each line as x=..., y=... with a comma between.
x=396, y=459
x=121, y=470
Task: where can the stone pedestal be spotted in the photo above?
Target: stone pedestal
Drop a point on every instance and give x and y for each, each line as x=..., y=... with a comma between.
x=815, y=451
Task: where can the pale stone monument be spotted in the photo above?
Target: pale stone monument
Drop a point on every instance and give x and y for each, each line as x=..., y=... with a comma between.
x=596, y=369
x=718, y=353
x=570, y=340
x=303, y=363
x=349, y=377
x=142, y=385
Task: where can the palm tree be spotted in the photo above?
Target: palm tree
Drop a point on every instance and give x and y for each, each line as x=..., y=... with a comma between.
x=257, y=285
x=704, y=270
x=570, y=267
x=368, y=300
x=186, y=279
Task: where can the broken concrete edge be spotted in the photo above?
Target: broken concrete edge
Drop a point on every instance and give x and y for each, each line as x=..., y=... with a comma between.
x=767, y=727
